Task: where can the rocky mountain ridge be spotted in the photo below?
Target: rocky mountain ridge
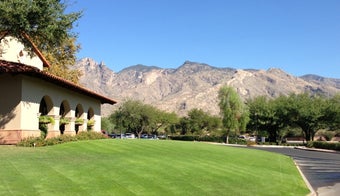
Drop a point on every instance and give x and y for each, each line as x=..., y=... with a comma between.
x=194, y=85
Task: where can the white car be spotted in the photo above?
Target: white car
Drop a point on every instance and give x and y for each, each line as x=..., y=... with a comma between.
x=130, y=136
x=252, y=139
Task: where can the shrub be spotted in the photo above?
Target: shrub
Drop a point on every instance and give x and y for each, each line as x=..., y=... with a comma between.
x=31, y=141
x=184, y=137
x=90, y=135
x=218, y=139
x=40, y=141
x=43, y=130
x=324, y=145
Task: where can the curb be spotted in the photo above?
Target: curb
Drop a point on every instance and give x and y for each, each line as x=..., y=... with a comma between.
x=317, y=149
x=309, y=186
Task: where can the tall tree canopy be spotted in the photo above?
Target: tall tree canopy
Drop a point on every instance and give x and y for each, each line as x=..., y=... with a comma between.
x=306, y=112
x=234, y=113
x=199, y=122
x=137, y=117
x=47, y=25
x=309, y=113
x=266, y=117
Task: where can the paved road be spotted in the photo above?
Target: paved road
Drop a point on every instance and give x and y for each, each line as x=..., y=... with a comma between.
x=322, y=169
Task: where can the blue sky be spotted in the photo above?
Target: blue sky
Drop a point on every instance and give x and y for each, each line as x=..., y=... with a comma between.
x=298, y=36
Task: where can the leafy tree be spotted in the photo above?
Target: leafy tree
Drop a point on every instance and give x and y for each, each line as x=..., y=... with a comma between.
x=107, y=125
x=265, y=117
x=47, y=25
x=233, y=111
x=306, y=112
x=197, y=118
x=137, y=117
x=214, y=124
x=332, y=113
x=202, y=122
x=164, y=120
x=40, y=19
x=61, y=58
x=184, y=125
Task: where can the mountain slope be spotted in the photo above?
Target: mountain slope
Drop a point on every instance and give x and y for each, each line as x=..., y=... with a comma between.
x=194, y=85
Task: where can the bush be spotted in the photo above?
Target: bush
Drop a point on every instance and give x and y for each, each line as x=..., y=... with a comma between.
x=324, y=145
x=31, y=141
x=40, y=141
x=184, y=137
x=90, y=135
x=218, y=139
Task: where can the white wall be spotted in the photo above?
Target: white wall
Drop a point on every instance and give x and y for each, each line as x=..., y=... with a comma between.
x=13, y=51
x=22, y=100
x=32, y=94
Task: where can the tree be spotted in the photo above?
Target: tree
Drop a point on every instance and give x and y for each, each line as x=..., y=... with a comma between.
x=265, y=117
x=164, y=120
x=233, y=111
x=61, y=58
x=107, y=125
x=47, y=25
x=332, y=113
x=137, y=117
x=197, y=118
x=306, y=112
x=200, y=122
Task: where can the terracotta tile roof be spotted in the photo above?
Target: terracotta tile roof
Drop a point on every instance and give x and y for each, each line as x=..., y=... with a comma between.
x=18, y=68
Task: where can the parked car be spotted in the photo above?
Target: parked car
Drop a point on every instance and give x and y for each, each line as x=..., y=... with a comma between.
x=130, y=136
x=146, y=136
x=252, y=139
x=120, y=136
x=162, y=137
x=112, y=135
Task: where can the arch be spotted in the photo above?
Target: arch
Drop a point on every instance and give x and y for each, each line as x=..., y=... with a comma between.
x=79, y=113
x=64, y=111
x=46, y=105
x=90, y=113
x=45, y=108
x=90, y=119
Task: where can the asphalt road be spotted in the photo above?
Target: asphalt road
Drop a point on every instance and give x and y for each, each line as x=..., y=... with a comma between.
x=321, y=169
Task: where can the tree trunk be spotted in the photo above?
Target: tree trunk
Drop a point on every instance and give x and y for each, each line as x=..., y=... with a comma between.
x=308, y=136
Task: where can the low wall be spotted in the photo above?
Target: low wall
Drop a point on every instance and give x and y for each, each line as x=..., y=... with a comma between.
x=14, y=136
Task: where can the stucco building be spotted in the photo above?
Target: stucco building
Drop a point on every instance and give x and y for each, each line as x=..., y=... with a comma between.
x=31, y=97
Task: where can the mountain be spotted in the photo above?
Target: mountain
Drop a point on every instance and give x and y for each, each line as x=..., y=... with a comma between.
x=194, y=85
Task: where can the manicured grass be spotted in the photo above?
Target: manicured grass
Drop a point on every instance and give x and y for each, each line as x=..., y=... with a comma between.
x=146, y=167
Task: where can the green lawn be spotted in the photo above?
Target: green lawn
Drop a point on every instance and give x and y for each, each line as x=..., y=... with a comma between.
x=146, y=167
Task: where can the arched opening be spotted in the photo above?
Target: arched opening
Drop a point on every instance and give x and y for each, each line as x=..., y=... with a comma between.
x=64, y=110
x=90, y=119
x=45, y=108
x=79, y=117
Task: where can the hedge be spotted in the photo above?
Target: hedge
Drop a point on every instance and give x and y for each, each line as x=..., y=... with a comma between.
x=41, y=141
x=218, y=139
x=324, y=145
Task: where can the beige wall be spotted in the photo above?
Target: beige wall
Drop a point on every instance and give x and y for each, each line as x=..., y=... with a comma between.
x=10, y=102
x=31, y=94
x=22, y=100
x=12, y=50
